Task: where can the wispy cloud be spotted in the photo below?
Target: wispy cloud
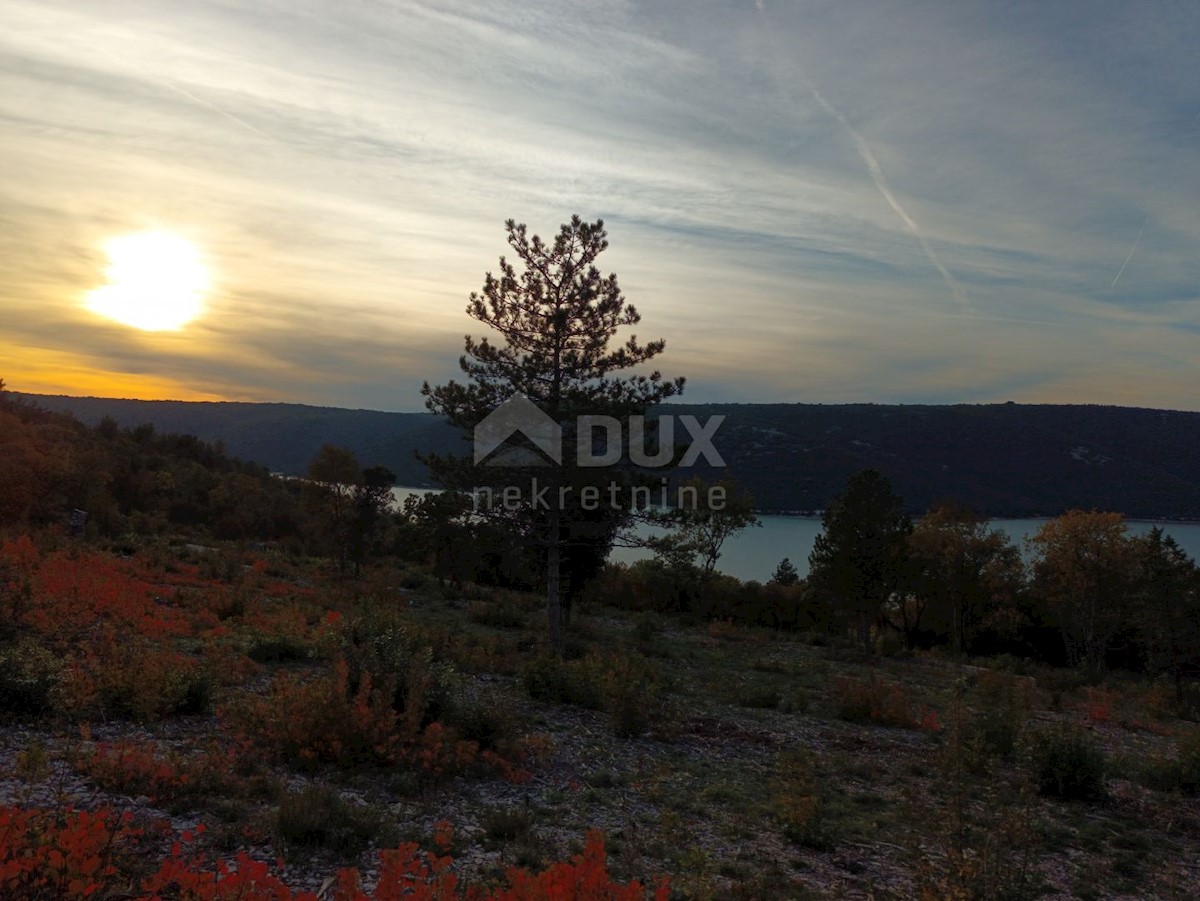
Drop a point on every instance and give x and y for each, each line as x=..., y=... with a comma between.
x=881, y=183
x=346, y=170
x=1128, y=256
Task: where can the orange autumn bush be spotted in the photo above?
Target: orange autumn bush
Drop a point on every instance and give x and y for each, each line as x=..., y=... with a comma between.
x=134, y=678
x=875, y=701
x=72, y=854
x=69, y=855
x=324, y=719
x=142, y=768
x=320, y=719
x=74, y=591
x=20, y=553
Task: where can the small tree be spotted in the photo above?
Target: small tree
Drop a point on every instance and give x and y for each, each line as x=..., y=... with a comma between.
x=710, y=516
x=557, y=319
x=1086, y=570
x=437, y=531
x=962, y=570
x=860, y=560
x=785, y=574
x=370, y=503
x=1167, y=607
x=333, y=476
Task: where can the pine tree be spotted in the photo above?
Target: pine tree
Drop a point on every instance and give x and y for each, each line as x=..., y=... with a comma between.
x=785, y=574
x=557, y=318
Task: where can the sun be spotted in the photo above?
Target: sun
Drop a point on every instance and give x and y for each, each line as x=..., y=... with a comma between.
x=156, y=282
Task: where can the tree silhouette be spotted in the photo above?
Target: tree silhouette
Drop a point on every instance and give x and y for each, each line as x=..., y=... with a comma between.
x=785, y=574
x=1167, y=608
x=557, y=318
x=962, y=570
x=333, y=476
x=860, y=560
x=1086, y=570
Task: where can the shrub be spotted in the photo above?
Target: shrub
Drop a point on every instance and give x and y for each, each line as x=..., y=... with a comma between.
x=873, y=701
x=798, y=801
x=1180, y=773
x=1068, y=763
x=324, y=719
x=136, y=680
x=759, y=698
x=625, y=687
x=546, y=679
x=631, y=696
x=29, y=675
x=62, y=854
x=72, y=854
x=647, y=628
x=386, y=653
x=321, y=719
x=1188, y=765
x=488, y=720
x=1003, y=702
x=279, y=649
x=506, y=824
x=319, y=817
x=142, y=768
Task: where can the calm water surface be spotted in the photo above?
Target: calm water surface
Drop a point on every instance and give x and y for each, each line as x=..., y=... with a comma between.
x=754, y=553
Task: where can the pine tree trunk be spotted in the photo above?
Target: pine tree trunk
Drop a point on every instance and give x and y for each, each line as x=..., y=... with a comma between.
x=553, y=567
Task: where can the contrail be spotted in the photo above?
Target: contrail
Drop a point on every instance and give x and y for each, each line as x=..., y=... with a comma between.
x=1129, y=257
x=881, y=184
x=216, y=109
x=179, y=89
x=879, y=179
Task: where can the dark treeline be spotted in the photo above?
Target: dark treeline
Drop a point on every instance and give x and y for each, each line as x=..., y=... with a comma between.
x=137, y=482
x=1093, y=596
x=1006, y=460
x=134, y=480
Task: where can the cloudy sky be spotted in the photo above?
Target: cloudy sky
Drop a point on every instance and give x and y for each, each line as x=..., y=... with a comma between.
x=811, y=201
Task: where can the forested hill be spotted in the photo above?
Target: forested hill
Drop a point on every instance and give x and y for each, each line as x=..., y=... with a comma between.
x=282, y=437
x=1002, y=459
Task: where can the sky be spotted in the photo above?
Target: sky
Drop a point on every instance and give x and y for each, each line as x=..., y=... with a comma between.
x=820, y=202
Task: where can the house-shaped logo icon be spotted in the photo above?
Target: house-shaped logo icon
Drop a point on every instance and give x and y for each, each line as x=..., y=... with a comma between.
x=517, y=416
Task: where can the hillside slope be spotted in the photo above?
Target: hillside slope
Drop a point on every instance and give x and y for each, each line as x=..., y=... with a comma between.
x=1002, y=459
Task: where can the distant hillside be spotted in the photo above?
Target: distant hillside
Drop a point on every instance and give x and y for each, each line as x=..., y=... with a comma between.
x=1011, y=460
x=1003, y=459
x=282, y=437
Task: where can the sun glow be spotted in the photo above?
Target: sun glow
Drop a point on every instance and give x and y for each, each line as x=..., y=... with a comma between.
x=155, y=282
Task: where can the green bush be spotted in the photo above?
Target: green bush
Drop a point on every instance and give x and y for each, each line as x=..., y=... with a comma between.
x=425, y=688
x=1188, y=765
x=29, y=674
x=1180, y=773
x=488, y=720
x=647, y=628
x=319, y=817
x=627, y=688
x=1068, y=763
x=799, y=802
x=760, y=698
x=506, y=824
x=1003, y=704
x=631, y=696
x=195, y=695
x=545, y=678
x=279, y=649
